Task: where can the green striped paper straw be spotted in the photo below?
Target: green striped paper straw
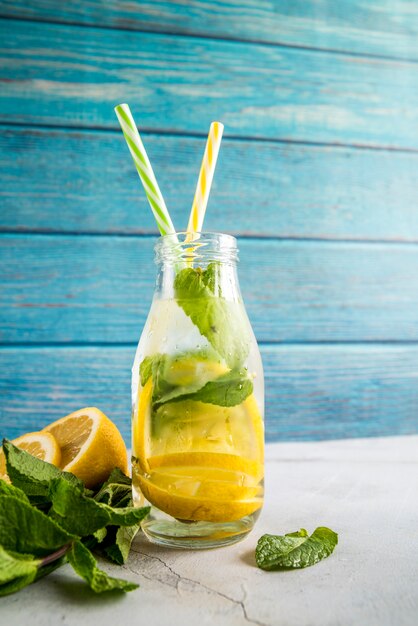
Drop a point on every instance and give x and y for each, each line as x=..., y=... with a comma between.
x=144, y=169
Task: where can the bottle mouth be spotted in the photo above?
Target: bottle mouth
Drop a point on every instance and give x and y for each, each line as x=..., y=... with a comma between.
x=202, y=248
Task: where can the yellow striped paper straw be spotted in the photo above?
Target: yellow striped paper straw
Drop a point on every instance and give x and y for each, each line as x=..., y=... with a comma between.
x=144, y=169
x=204, y=183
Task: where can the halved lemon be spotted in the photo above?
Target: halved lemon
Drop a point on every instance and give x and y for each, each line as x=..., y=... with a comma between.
x=91, y=445
x=197, y=508
x=40, y=444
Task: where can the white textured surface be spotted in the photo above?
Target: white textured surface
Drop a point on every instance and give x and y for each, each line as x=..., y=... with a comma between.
x=366, y=490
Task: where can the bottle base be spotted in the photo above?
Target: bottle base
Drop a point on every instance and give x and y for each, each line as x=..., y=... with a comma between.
x=169, y=532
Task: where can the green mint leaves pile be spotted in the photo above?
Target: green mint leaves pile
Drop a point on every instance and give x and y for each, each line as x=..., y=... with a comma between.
x=48, y=517
x=225, y=327
x=295, y=550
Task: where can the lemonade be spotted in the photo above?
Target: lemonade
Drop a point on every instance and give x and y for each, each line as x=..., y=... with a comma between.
x=197, y=427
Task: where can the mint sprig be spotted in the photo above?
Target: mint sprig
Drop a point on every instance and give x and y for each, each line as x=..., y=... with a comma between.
x=295, y=550
x=31, y=475
x=228, y=389
x=48, y=517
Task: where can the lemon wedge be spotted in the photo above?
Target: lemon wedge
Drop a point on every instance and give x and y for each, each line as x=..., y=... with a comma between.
x=40, y=444
x=91, y=445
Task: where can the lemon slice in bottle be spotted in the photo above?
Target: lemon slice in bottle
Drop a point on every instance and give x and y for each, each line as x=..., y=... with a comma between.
x=197, y=508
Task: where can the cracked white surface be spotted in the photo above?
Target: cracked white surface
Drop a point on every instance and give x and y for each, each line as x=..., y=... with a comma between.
x=366, y=490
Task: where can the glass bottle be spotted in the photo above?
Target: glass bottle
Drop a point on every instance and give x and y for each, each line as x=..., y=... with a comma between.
x=198, y=400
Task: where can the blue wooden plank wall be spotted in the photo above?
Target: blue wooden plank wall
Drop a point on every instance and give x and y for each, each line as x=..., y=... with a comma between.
x=317, y=176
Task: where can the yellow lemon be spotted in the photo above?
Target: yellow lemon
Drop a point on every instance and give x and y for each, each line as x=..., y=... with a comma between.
x=207, y=482
x=91, y=445
x=199, y=461
x=193, y=371
x=204, y=460
x=193, y=426
x=141, y=437
x=40, y=444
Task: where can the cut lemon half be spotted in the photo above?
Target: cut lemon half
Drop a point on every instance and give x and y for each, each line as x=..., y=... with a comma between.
x=91, y=445
x=40, y=444
x=197, y=508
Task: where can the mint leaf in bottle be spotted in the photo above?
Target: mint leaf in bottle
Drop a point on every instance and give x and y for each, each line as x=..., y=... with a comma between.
x=82, y=515
x=295, y=550
x=230, y=389
x=197, y=293
x=146, y=367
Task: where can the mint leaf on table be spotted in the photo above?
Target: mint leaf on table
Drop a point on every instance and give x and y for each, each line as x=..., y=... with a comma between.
x=34, y=542
x=16, y=570
x=221, y=321
x=100, y=535
x=7, y=489
x=295, y=550
x=118, y=544
x=25, y=529
x=33, y=476
x=85, y=565
x=128, y=515
x=116, y=491
x=75, y=512
x=19, y=570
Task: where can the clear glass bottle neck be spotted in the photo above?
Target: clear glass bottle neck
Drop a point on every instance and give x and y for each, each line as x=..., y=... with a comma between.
x=211, y=256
